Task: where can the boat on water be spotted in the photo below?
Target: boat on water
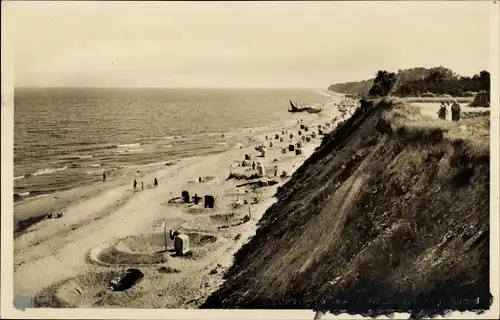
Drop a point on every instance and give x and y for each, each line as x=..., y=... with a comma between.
x=303, y=109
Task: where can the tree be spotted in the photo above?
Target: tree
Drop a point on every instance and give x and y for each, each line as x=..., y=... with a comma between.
x=383, y=83
x=484, y=80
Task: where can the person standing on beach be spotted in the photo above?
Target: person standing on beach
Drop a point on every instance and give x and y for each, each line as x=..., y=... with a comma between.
x=135, y=184
x=156, y=183
x=142, y=185
x=104, y=176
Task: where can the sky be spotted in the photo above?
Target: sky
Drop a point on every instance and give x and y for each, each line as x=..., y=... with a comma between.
x=235, y=44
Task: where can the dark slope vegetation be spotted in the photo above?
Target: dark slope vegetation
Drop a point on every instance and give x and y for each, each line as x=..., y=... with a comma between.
x=361, y=87
x=390, y=213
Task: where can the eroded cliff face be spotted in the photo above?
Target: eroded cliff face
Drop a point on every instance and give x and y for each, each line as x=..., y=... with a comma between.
x=390, y=212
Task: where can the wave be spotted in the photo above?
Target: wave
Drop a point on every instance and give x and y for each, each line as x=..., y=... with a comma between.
x=94, y=165
x=90, y=165
x=106, y=170
x=22, y=194
x=129, y=145
x=48, y=171
x=166, y=146
x=19, y=177
x=136, y=150
x=77, y=157
x=127, y=151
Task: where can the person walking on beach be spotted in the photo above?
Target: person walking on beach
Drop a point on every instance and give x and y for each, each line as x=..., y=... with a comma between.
x=135, y=184
x=156, y=183
x=104, y=176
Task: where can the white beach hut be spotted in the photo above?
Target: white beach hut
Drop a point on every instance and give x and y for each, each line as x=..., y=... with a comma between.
x=261, y=170
x=181, y=244
x=263, y=152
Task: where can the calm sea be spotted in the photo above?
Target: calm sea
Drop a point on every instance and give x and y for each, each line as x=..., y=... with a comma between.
x=66, y=137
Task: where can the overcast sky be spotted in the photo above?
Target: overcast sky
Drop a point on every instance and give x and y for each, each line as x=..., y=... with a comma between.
x=255, y=44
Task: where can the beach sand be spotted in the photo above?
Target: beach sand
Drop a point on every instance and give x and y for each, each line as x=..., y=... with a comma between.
x=62, y=261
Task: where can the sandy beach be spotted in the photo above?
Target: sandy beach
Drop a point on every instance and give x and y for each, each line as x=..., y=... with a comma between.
x=109, y=227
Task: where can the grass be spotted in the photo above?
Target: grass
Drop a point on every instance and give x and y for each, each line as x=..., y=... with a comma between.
x=390, y=213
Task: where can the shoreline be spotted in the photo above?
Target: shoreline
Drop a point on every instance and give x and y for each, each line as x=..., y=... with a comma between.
x=66, y=164
x=102, y=216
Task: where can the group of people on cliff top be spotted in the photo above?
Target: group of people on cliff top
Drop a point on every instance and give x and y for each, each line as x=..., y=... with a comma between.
x=455, y=110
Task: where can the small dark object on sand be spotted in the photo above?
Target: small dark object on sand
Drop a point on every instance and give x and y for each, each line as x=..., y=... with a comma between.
x=196, y=199
x=209, y=201
x=168, y=270
x=272, y=182
x=185, y=196
x=126, y=282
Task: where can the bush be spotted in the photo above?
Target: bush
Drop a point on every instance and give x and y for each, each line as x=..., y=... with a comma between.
x=383, y=83
x=439, y=83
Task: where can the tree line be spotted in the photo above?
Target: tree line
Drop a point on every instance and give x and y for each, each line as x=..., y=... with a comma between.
x=438, y=80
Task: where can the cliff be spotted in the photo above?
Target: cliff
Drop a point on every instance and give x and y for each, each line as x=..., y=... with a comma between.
x=390, y=212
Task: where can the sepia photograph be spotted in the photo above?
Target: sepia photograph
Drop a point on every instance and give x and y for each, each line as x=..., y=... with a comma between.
x=308, y=159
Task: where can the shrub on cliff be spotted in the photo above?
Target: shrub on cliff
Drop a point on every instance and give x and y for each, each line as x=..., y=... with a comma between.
x=383, y=83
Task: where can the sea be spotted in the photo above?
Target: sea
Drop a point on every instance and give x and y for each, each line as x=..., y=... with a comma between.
x=67, y=137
